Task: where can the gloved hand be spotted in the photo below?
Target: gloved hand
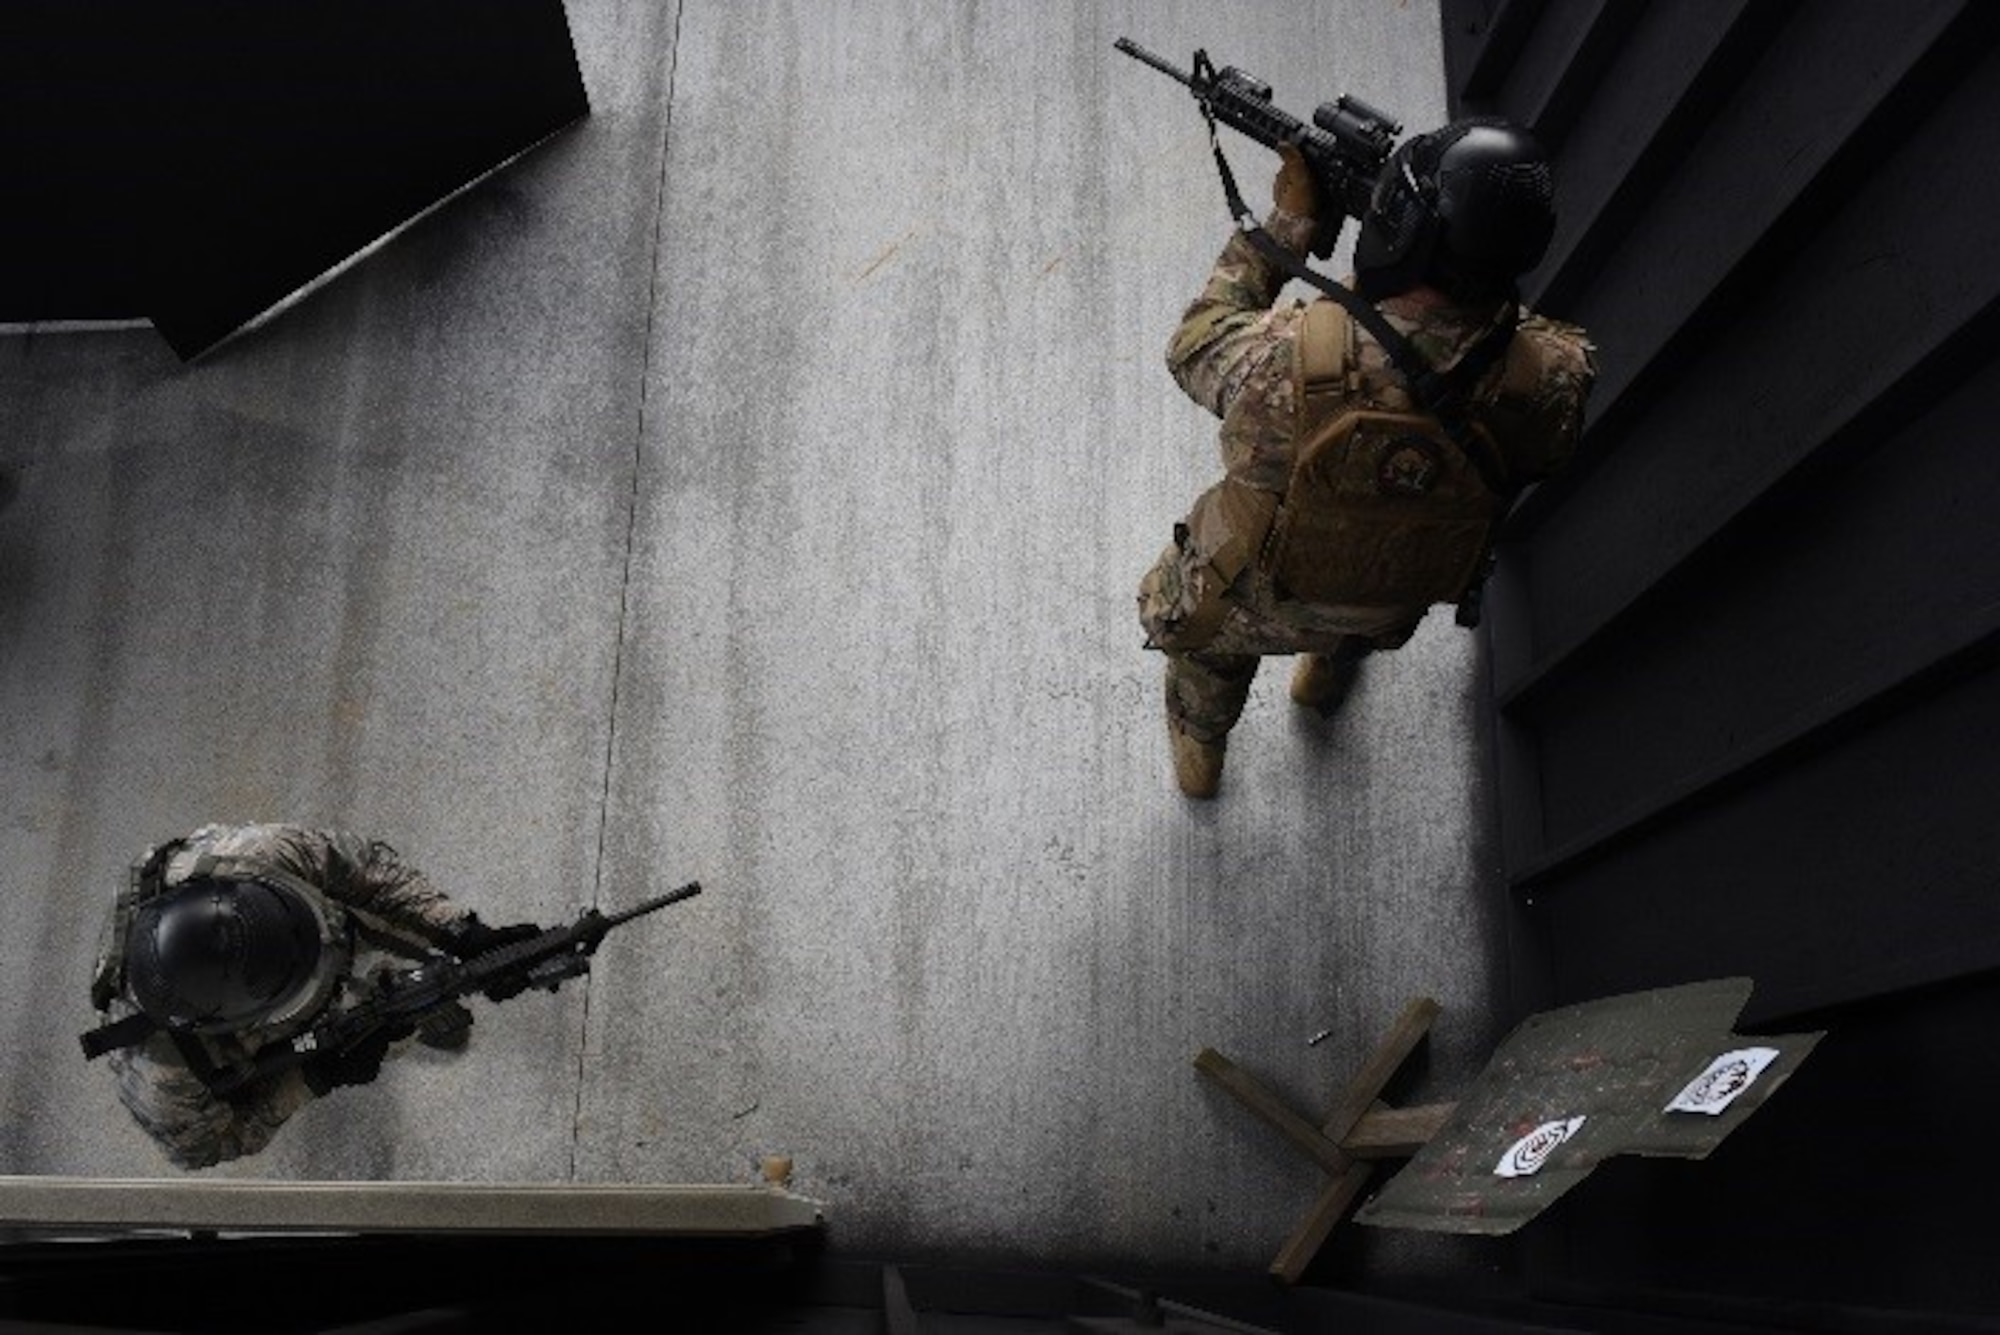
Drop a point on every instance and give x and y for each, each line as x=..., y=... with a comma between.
x=472, y=937
x=1297, y=191
x=354, y=1066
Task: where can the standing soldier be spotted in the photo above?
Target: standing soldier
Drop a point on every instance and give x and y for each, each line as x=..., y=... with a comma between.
x=234, y=937
x=1348, y=509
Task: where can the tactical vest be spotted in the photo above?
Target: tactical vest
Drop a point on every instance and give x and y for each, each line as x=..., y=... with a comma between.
x=1384, y=507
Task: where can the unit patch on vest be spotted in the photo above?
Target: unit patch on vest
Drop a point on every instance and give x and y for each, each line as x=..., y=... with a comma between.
x=1408, y=466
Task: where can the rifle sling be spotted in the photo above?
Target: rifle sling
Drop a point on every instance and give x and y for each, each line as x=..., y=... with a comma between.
x=385, y=940
x=129, y=1032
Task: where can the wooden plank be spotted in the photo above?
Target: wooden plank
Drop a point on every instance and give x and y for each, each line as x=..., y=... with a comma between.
x=1362, y=1092
x=1380, y=1068
x=403, y=1207
x=1395, y=1133
x=1349, y=1175
x=1361, y=1095
x=1312, y=1232
x=1271, y=1110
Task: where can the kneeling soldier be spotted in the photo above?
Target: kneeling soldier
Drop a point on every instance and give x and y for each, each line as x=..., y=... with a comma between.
x=235, y=937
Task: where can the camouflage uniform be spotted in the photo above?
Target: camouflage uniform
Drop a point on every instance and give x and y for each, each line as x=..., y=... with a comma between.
x=394, y=911
x=1235, y=354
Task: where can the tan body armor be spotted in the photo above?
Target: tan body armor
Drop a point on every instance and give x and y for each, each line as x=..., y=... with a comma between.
x=1384, y=514
x=1384, y=506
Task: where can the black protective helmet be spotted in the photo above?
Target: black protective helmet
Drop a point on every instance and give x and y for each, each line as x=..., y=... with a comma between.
x=1467, y=208
x=215, y=954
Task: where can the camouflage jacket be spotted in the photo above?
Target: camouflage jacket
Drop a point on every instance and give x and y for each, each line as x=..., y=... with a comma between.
x=1235, y=353
x=364, y=878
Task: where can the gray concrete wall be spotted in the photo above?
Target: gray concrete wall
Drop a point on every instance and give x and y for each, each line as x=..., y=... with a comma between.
x=750, y=486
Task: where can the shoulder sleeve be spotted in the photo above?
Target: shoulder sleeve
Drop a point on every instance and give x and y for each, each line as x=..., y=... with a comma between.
x=1229, y=333
x=364, y=874
x=1537, y=410
x=192, y=1127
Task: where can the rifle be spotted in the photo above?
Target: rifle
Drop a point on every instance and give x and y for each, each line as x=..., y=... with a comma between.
x=1346, y=144
x=404, y=998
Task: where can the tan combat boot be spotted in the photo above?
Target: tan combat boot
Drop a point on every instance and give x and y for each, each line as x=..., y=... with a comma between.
x=1197, y=764
x=1322, y=681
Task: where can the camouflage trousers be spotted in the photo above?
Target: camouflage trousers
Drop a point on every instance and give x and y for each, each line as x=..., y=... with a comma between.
x=1208, y=682
x=1206, y=691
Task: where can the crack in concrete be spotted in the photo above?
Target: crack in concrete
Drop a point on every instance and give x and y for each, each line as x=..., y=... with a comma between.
x=625, y=579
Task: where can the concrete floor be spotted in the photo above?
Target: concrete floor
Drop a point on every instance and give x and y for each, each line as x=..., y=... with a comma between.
x=750, y=485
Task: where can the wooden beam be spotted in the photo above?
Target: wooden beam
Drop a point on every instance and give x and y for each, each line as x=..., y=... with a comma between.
x=1386, y=1132
x=1395, y=1133
x=1361, y=1094
x=404, y=1207
x=1380, y=1068
x=1327, y=1211
x=1269, y=1109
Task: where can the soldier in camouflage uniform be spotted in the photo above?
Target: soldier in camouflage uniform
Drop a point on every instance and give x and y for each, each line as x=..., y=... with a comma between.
x=238, y=936
x=1283, y=376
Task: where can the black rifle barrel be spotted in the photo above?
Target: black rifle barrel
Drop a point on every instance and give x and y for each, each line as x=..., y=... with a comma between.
x=688, y=891
x=1140, y=53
